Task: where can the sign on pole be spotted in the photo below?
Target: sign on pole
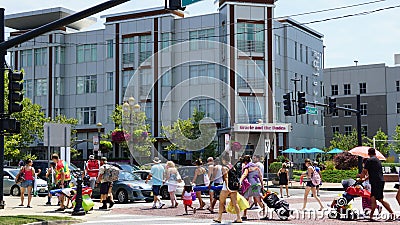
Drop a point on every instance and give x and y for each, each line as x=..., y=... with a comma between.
x=57, y=134
x=311, y=110
x=188, y=2
x=96, y=144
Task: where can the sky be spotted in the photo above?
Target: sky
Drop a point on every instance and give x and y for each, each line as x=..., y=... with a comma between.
x=372, y=38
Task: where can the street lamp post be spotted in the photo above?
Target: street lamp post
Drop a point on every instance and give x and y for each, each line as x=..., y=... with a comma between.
x=99, y=126
x=131, y=109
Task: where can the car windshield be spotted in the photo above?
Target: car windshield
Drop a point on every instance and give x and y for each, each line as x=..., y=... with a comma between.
x=127, y=167
x=126, y=176
x=14, y=172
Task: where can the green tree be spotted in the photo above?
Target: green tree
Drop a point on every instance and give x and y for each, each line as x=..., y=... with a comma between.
x=396, y=137
x=344, y=142
x=381, y=144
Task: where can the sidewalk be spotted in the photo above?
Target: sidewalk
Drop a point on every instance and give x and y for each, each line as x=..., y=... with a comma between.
x=39, y=208
x=389, y=186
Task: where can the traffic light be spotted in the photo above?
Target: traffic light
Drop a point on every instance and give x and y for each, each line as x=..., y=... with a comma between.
x=287, y=102
x=332, y=105
x=15, y=95
x=301, y=102
x=176, y=5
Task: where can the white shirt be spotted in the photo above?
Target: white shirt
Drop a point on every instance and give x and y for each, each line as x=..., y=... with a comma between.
x=260, y=165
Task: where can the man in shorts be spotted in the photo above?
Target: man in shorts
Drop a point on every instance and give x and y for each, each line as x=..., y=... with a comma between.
x=63, y=177
x=157, y=177
x=373, y=168
x=105, y=187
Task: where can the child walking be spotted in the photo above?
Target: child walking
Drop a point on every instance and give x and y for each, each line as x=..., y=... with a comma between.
x=187, y=199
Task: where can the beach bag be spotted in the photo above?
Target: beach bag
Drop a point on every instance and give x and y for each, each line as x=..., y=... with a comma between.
x=111, y=173
x=245, y=185
x=315, y=178
x=87, y=203
x=20, y=177
x=242, y=202
x=193, y=196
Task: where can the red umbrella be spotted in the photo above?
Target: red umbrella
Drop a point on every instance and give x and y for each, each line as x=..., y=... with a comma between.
x=363, y=152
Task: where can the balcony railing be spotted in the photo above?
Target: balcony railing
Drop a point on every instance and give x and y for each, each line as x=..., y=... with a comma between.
x=251, y=83
x=251, y=46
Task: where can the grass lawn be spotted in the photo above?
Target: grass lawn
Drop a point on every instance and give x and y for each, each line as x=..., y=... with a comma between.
x=23, y=219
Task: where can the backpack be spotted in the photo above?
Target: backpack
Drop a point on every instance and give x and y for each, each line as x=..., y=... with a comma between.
x=111, y=173
x=234, y=178
x=315, y=178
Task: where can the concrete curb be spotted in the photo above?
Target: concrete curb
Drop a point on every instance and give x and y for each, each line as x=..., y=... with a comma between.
x=325, y=188
x=55, y=222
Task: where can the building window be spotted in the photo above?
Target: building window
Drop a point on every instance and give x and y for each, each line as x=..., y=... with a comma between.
x=307, y=91
x=306, y=54
x=364, y=130
x=110, y=48
x=301, y=53
x=86, y=53
x=128, y=50
x=28, y=88
x=165, y=40
x=166, y=79
x=126, y=77
x=110, y=109
x=250, y=37
x=295, y=50
x=86, y=115
x=363, y=88
x=203, y=105
x=335, y=129
x=204, y=35
x=397, y=85
x=277, y=77
x=60, y=55
x=40, y=56
x=110, y=81
x=146, y=81
x=250, y=109
x=398, y=107
x=145, y=48
x=250, y=73
x=201, y=73
x=59, y=112
x=41, y=87
x=278, y=114
x=334, y=89
x=347, y=129
x=86, y=84
x=277, y=44
x=322, y=87
x=347, y=89
x=347, y=113
x=26, y=58
x=59, y=86
x=335, y=114
x=363, y=109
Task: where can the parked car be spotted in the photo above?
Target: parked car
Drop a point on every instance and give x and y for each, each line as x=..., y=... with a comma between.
x=124, y=166
x=129, y=187
x=10, y=187
x=164, y=189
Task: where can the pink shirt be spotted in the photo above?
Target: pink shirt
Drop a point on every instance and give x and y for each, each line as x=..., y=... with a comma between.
x=28, y=174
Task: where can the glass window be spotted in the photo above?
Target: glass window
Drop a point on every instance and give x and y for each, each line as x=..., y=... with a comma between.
x=278, y=114
x=334, y=89
x=250, y=37
x=60, y=55
x=363, y=109
x=347, y=89
x=86, y=115
x=307, y=54
x=364, y=130
x=40, y=56
x=165, y=40
x=59, y=86
x=397, y=85
x=347, y=129
x=203, y=105
x=363, y=88
x=398, y=107
x=110, y=109
x=26, y=58
x=110, y=81
x=86, y=53
x=335, y=114
x=128, y=50
x=347, y=113
x=126, y=77
x=203, y=35
x=249, y=110
x=203, y=70
x=146, y=81
x=145, y=48
x=250, y=73
x=110, y=48
x=166, y=79
x=277, y=77
x=28, y=88
x=301, y=53
x=335, y=129
x=295, y=50
x=41, y=87
x=277, y=44
x=59, y=112
x=86, y=84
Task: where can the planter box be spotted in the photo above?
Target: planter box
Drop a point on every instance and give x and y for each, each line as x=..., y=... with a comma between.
x=391, y=177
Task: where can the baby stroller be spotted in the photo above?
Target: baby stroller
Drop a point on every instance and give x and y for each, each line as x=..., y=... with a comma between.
x=342, y=207
x=70, y=193
x=281, y=207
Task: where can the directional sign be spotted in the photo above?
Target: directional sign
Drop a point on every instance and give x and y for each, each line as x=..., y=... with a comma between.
x=311, y=110
x=188, y=2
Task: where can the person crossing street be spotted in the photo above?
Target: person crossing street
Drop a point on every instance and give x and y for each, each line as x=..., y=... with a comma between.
x=157, y=177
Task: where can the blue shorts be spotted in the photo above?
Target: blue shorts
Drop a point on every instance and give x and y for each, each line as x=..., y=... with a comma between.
x=27, y=183
x=156, y=189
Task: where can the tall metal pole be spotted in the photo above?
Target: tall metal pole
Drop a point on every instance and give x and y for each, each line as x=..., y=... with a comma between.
x=359, y=138
x=2, y=70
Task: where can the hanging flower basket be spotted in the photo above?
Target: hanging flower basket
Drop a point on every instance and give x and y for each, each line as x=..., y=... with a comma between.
x=118, y=136
x=236, y=146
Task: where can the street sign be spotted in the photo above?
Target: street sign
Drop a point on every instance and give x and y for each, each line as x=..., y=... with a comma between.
x=188, y=2
x=57, y=134
x=96, y=143
x=311, y=110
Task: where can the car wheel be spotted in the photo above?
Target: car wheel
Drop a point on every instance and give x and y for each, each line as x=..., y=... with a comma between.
x=164, y=192
x=122, y=196
x=15, y=190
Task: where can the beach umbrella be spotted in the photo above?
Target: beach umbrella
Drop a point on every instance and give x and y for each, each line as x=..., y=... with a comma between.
x=363, y=152
x=315, y=150
x=290, y=151
x=335, y=151
x=304, y=151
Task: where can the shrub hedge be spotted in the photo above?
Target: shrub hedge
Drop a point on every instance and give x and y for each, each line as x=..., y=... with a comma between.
x=391, y=165
x=274, y=167
x=336, y=176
